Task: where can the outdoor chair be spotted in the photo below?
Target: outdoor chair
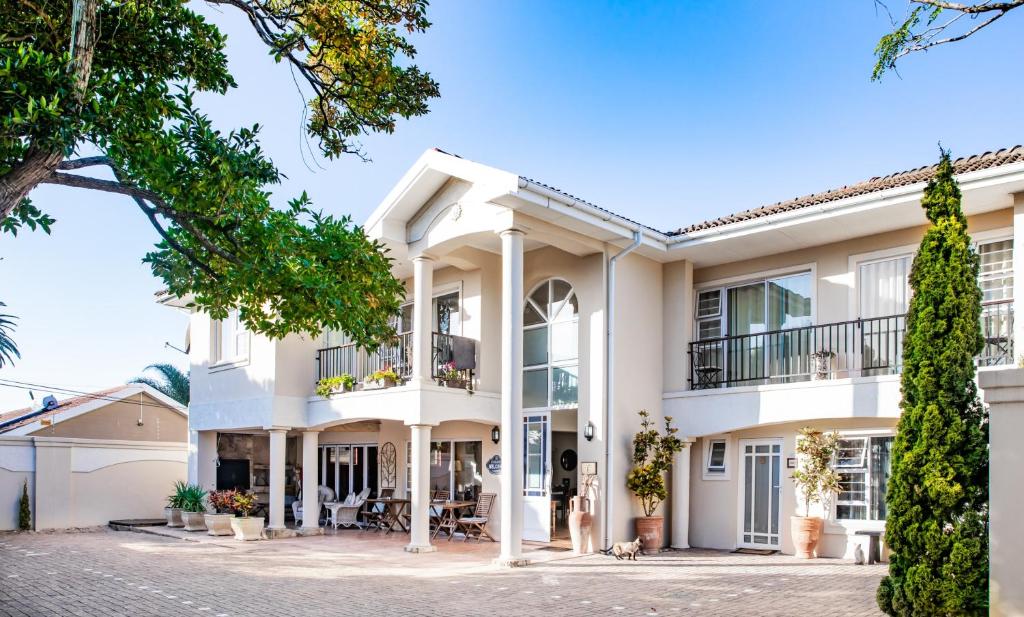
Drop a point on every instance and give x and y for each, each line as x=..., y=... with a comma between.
x=376, y=515
x=323, y=494
x=476, y=525
x=437, y=511
x=347, y=514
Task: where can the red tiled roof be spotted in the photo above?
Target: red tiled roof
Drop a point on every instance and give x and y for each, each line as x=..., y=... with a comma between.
x=977, y=162
x=27, y=415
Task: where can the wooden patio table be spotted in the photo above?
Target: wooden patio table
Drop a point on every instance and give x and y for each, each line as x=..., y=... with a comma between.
x=394, y=510
x=449, y=519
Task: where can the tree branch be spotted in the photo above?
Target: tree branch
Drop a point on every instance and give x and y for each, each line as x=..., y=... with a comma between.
x=984, y=7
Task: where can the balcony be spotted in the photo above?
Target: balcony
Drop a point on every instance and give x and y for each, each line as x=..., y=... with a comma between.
x=397, y=355
x=862, y=347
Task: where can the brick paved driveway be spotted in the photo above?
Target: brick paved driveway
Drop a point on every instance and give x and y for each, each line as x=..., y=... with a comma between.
x=122, y=573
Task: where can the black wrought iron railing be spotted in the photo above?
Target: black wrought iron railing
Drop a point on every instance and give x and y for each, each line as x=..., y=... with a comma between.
x=997, y=329
x=342, y=359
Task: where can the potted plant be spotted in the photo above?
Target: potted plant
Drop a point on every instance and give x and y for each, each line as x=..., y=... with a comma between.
x=451, y=377
x=652, y=457
x=174, y=503
x=218, y=523
x=193, y=508
x=383, y=378
x=246, y=527
x=581, y=520
x=817, y=482
x=333, y=385
x=822, y=364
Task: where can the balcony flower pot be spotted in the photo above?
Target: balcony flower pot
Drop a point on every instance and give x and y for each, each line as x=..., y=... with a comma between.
x=459, y=384
x=218, y=524
x=173, y=516
x=379, y=384
x=194, y=521
x=822, y=364
x=329, y=386
x=247, y=528
x=580, y=523
x=650, y=530
x=806, y=532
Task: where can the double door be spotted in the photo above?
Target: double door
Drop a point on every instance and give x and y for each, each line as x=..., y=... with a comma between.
x=348, y=468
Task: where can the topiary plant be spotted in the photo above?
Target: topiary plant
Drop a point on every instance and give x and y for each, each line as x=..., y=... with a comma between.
x=652, y=457
x=815, y=478
x=24, y=509
x=937, y=498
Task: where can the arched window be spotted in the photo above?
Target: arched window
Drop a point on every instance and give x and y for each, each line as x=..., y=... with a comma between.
x=551, y=347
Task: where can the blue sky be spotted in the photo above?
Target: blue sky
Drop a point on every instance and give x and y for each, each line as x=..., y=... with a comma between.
x=667, y=112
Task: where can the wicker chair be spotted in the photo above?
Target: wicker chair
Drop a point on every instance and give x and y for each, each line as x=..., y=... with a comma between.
x=375, y=515
x=476, y=525
x=323, y=494
x=347, y=514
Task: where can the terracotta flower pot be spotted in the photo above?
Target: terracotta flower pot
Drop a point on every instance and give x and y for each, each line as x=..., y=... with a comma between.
x=194, y=521
x=247, y=527
x=650, y=531
x=173, y=516
x=806, y=532
x=580, y=524
x=218, y=524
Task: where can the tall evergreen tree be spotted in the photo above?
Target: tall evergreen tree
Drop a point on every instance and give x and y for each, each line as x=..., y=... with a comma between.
x=937, y=527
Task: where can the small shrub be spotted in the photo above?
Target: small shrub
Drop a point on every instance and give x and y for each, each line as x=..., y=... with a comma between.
x=245, y=502
x=652, y=457
x=24, y=510
x=815, y=479
x=328, y=385
x=177, y=499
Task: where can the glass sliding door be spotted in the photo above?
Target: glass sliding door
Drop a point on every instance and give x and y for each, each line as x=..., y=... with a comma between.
x=789, y=312
x=348, y=468
x=746, y=315
x=884, y=300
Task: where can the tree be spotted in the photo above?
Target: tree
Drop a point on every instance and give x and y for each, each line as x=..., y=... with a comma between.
x=169, y=381
x=108, y=85
x=24, y=509
x=937, y=498
x=652, y=457
x=815, y=479
x=8, y=349
x=910, y=35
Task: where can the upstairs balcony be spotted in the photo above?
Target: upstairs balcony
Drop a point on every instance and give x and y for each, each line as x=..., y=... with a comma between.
x=450, y=355
x=861, y=347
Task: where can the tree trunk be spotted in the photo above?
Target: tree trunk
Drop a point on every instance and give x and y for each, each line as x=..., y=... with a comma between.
x=24, y=176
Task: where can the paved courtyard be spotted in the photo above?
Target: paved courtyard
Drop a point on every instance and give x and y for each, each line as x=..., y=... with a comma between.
x=124, y=573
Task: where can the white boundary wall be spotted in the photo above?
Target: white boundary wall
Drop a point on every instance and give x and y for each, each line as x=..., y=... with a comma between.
x=87, y=482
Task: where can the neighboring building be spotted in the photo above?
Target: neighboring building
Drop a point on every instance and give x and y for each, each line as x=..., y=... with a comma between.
x=742, y=329
x=134, y=412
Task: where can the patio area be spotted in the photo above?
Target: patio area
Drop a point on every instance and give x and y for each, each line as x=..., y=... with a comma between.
x=104, y=572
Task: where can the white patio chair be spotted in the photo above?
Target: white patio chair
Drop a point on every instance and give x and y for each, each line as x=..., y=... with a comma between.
x=347, y=514
x=324, y=493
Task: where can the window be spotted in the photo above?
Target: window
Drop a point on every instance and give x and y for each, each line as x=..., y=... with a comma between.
x=864, y=464
x=551, y=347
x=229, y=340
x=447, y=318
x=996, y=281
x=996, y=275
x=455, y=466
x=885, y=287
x=716, y=456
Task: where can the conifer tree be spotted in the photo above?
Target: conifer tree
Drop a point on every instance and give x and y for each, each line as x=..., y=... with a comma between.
x=24, y=510
x=937, y=498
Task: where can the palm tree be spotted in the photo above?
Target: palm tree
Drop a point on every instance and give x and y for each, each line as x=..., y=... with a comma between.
x=171, y=382
x=8, y=350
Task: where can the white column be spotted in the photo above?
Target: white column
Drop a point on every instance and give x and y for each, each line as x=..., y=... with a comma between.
x=423, y=325
x=310, y=481
x=511, y=398
x=681, y=497
x=419, y=533
x=193, y=457
x=206, y=460
x=278, y=443
x=1018, y=278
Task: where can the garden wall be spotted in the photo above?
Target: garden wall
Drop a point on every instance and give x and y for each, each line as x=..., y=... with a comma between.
x=87, y=482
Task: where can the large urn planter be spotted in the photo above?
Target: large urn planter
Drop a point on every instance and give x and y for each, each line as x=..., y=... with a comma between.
x=580, y=523
x=218, y=524
x=247, y=527
x=806, y=531
x=173, y=516
x=193, y=521
x=650, y=530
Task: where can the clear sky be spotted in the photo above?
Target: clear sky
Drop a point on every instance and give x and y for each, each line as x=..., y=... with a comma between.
x=666, y=112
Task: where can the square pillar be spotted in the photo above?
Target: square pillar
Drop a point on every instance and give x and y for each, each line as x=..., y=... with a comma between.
x=511, y=499
x=278, y=443
x=681, y=496
x=423, y=325
x=419, y=532
x=310, y=482
x=1018, y=275
x=206, y=460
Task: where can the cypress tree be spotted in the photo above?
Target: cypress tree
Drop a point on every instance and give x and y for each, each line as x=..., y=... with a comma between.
x=24, y=511
x=937, y=498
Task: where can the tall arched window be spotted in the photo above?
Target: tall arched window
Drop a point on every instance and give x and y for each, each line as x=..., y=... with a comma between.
x=551, y=347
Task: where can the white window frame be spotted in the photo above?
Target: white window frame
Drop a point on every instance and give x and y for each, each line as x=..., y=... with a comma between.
x=856, y=261
x=709, y=473
x=551, y=365
x=236, y=333
x=860, y=524
x=990, y=237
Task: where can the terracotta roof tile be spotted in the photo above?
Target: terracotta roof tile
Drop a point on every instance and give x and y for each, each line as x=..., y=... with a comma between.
x=977, y=162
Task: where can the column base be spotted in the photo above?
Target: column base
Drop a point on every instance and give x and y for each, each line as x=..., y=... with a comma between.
x=420, y=548
x=274, y=533
x=310, y=531
x=680, y=547
x=511, y=562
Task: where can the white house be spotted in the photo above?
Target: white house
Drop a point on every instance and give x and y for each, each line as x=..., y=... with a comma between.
x=742, y=329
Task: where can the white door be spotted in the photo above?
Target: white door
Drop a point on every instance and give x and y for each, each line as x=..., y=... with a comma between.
x=760, y=493
x=537, y=477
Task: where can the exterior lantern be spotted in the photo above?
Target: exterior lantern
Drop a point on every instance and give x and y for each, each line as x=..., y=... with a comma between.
x=495, y=434
x=588, y=431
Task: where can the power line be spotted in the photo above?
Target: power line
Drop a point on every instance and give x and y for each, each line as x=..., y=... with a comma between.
x=21, y=385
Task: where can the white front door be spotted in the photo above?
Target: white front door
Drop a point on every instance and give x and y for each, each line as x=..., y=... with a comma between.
x=537, y=477
x=760, y=493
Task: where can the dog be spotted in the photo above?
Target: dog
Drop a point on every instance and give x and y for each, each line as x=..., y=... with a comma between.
x=625, y=550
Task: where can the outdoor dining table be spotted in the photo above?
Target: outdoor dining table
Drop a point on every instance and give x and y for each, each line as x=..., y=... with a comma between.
x=449, y=518
x=394, y=512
